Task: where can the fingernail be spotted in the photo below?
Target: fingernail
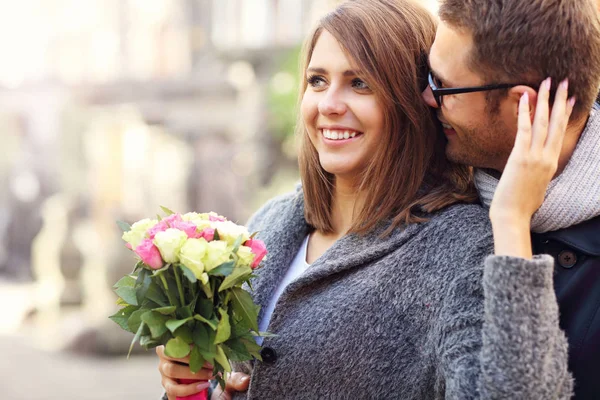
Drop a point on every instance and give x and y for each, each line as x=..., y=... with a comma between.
x=548, y=83
x=572, y=101
x=244, y=379
x=525, y=97
x=565, y=84
x=203, y=386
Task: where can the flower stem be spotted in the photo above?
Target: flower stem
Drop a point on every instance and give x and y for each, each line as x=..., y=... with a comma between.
x=179, y=287
x=166, y=285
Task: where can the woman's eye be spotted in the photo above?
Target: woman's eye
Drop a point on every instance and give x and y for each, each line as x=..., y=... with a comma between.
x=315, y=81
x=360, y=84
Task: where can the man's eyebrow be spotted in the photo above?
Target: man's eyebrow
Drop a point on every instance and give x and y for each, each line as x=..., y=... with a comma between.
x=436, y=74
x=323, y=71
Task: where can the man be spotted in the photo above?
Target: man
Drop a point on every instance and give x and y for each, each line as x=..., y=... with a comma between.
x=486, y=55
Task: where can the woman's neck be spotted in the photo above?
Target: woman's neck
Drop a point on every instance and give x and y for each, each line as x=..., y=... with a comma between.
x=344, y=202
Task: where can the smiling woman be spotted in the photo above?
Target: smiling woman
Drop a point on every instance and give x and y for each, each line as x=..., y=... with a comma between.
x=366, y=85
x=373, y=285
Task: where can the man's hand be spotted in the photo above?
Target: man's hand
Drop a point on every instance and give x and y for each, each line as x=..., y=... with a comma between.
x=173, y=369
x=236, y=382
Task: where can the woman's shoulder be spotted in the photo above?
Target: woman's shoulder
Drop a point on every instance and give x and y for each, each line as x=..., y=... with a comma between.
x=464, y=223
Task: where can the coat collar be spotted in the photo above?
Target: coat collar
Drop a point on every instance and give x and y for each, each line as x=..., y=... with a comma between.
x=284, y=235
x=584, y=237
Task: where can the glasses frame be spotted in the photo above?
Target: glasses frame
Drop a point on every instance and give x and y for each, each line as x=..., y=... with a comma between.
x=438, y=93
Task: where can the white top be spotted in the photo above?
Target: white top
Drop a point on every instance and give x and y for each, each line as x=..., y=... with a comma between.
x=297, y=268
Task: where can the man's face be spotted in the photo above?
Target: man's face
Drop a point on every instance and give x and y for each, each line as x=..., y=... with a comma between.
x=477, y=135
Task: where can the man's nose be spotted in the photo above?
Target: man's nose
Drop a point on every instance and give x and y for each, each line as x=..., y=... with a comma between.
x=427, y=95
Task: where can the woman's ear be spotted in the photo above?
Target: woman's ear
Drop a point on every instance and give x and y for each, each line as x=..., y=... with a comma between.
x=514, y=95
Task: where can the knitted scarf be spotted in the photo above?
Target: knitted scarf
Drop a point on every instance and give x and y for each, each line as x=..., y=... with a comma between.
x=574, y=195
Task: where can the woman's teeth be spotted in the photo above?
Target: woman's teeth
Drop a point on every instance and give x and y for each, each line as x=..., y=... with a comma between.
x=338, y=135
x=446, y=126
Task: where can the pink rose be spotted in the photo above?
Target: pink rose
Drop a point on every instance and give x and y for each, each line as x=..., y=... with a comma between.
x=160, y=227
x=188, y=227
x=258, y=248
x=149, y=254
x=208, y=234
x=164, y=224
x=214, y=218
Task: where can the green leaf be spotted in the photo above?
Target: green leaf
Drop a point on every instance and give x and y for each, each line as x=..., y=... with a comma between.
x=223, y=328
x=184, y=312
x=204, y=307
x=166, y=210
x=252, y=347
x=196, y=360
x=244, y=307
x=264, y=334
x=126, y=281
x=148, y=343
x=237, y=276
x=210, y=322
x=125, y=227
x=177, y=348
x=128, y=294
x=174, y=324
x=165, y=310
x=156, y=294
x=138, y=266
x=224, y=269
x=200, y=337
x=237, y=243
x=143, y=282
x=253, y=235
x=188, y=273
x=157, y=272
x=121, y=317
x=184, y=333
x=217, y=236
x=221, y=358
x=156, y=323
x=236, y=351
x=135, y=319
x=136, y=337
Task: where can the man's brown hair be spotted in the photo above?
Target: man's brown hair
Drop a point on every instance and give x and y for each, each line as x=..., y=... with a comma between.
x=530, y=40
x=388, y=41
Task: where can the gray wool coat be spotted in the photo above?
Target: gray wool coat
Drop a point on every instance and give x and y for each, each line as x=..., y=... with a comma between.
x=420, y=314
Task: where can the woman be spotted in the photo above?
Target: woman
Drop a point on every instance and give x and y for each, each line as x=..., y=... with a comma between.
x=373, y=282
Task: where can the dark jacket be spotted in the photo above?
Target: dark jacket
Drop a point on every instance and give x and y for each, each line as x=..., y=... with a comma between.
x=576, y=251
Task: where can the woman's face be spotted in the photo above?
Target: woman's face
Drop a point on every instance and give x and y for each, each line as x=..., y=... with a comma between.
x=341, y=114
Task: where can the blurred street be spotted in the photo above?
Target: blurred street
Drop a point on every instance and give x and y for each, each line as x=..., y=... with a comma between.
x=29, y=373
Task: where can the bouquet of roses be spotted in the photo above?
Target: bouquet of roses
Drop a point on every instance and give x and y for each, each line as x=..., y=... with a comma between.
x=186, y=292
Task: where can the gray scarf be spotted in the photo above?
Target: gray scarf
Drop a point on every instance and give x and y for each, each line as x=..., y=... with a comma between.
x=574, y=195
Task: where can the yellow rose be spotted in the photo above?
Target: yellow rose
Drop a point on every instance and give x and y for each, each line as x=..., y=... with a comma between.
x=169, y=244
x=138, y=232
x=217, y=253
x=192, y=253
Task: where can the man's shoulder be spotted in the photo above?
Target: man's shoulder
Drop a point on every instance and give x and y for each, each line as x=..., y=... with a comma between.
x=584, y=236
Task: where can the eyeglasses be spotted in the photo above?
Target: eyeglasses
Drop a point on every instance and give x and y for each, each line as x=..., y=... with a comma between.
x=438, y=92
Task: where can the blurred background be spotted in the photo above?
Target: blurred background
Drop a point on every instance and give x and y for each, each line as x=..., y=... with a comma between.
x=108, y=109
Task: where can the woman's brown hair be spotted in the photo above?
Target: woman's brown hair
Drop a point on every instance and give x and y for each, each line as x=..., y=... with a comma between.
x=388, y=41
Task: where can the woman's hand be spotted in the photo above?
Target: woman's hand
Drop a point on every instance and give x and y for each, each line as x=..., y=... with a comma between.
x=236, y=382
x=172, y=369
x=531, y=166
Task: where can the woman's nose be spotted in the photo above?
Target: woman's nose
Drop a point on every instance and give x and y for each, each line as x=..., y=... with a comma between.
x=427, y=95
x=332, y=103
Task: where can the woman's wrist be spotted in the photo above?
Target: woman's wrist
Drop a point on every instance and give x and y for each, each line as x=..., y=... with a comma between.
x=512, y=236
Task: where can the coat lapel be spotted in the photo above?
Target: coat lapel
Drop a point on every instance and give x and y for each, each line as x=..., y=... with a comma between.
x=283, y=235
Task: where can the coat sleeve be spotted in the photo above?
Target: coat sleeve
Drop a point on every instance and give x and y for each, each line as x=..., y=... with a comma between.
x=501, y=339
